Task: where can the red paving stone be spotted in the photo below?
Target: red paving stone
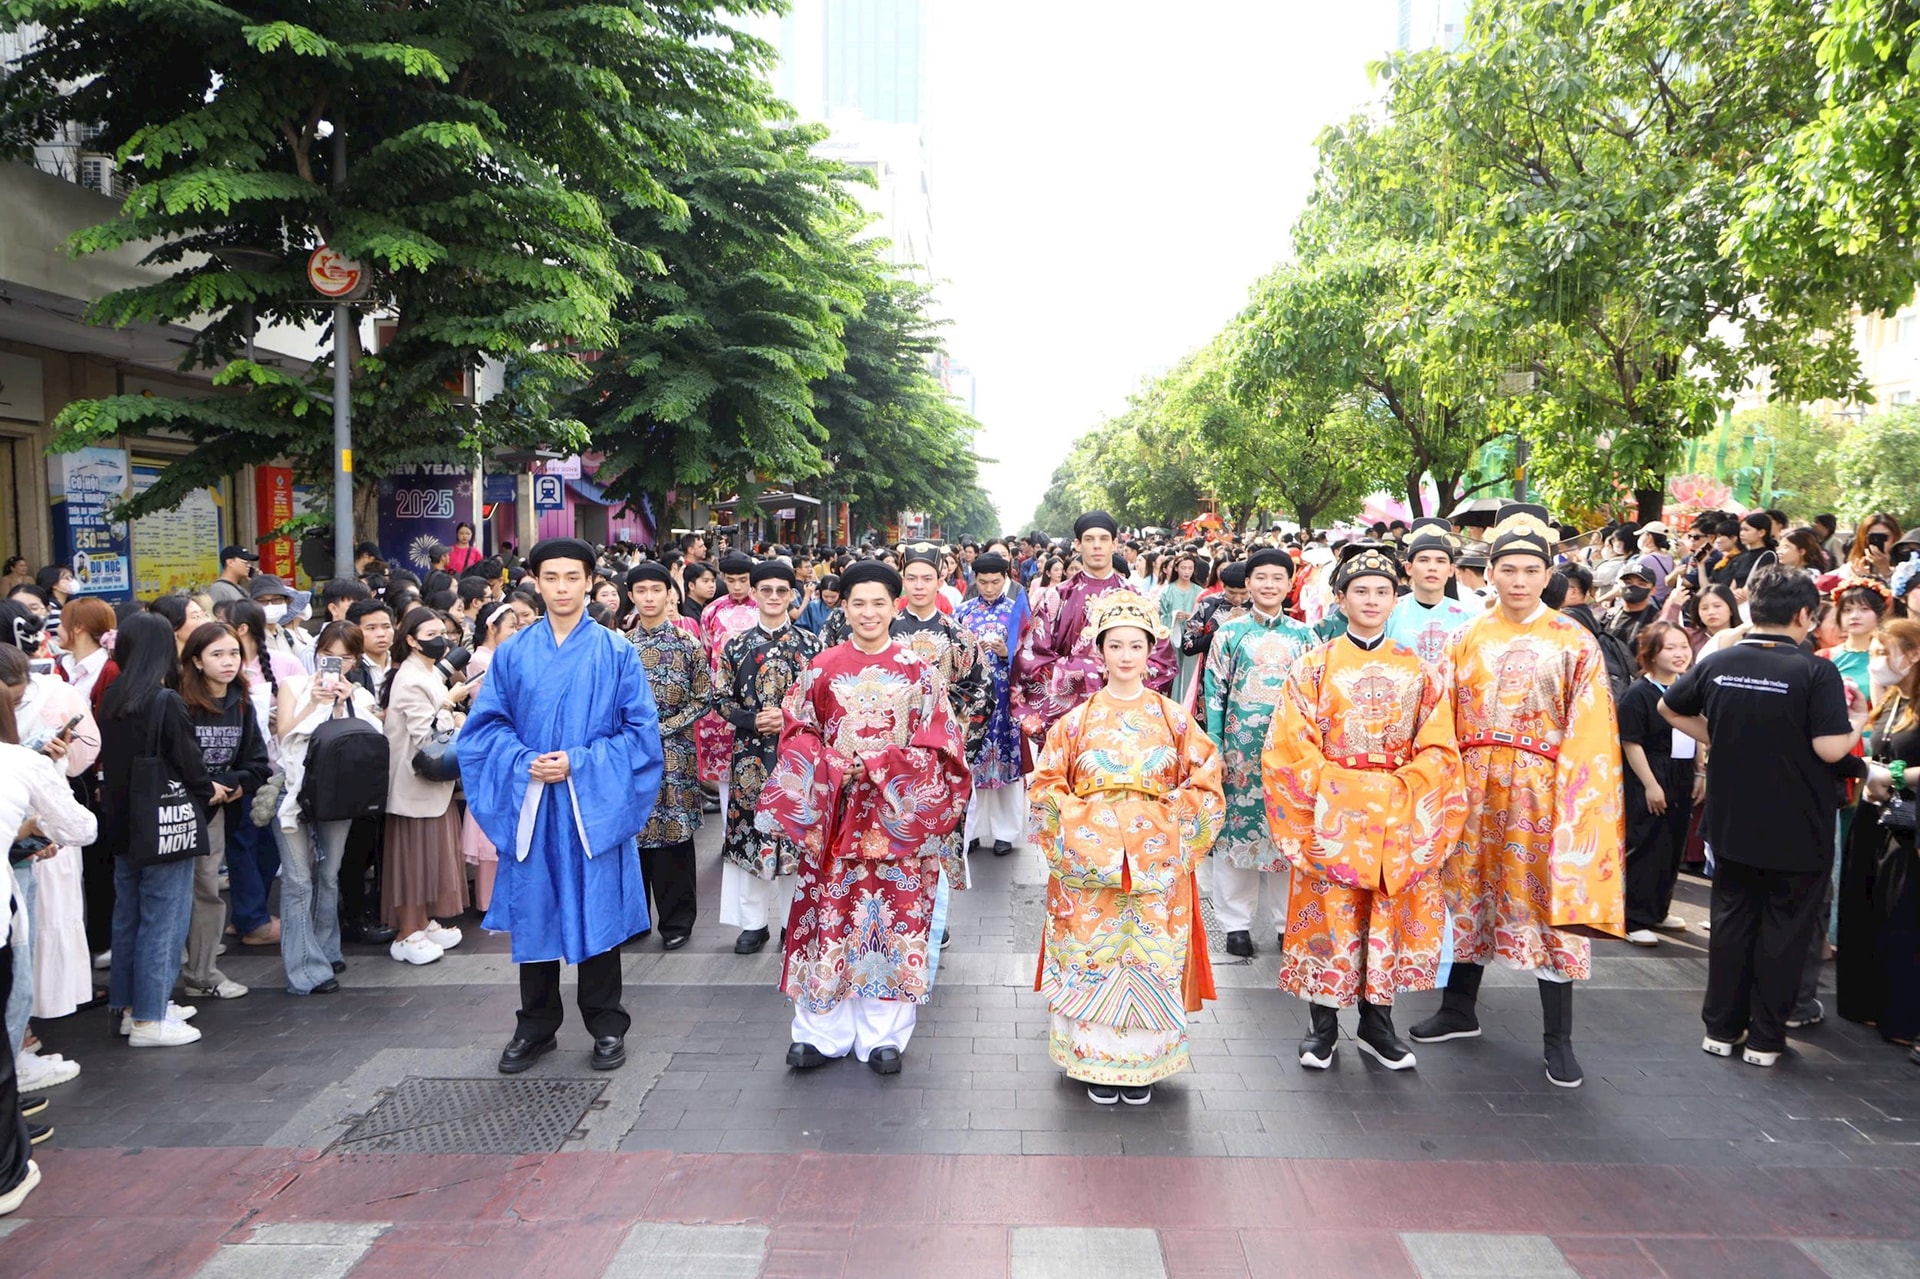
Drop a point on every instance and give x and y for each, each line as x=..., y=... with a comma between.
x=164, y=1211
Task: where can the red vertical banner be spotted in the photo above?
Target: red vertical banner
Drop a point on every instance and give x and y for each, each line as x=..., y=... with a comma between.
x=273, y=506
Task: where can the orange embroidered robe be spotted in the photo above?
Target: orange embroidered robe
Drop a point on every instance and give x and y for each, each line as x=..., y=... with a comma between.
x=1364, y=800
x=1542, y=852
x=1125, y=801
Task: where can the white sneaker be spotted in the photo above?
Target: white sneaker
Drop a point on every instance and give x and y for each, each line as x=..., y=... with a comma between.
x=1753, y=1057
x=18, y=1195
x=103, y=961
x=175, y=1012
x=1722, y=1047
x=36, y=1072
x=162, y=1034
x=1643, y=937
x=227, y=989
x=1672, y=924
x=443, y=937
x=415, y=949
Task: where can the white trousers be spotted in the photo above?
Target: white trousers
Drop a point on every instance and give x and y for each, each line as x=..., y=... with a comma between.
x=997, y=814
x=857, y=1025
x=1236, y=896
x=748, y=901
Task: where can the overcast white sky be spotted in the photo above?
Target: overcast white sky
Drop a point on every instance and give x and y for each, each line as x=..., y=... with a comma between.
x=1108, y=180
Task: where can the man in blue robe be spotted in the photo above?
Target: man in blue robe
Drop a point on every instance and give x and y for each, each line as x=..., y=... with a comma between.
x=562, y=761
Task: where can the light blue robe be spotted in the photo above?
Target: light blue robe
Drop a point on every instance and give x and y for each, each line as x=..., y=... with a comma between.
x=569, y=883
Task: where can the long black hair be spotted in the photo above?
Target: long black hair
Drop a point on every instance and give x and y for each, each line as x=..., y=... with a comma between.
x=145, y=651
x=248, y=616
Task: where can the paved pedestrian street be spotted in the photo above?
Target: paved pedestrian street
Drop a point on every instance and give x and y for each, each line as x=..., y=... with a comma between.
x=325, y=1136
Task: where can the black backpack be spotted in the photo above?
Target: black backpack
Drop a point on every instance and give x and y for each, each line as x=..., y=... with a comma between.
x=346, y=773
x=1622, y=670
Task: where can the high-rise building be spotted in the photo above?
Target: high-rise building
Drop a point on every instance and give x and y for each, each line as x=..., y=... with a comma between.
x=1431, y=24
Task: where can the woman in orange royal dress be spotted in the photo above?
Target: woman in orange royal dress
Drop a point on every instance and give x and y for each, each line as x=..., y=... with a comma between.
x=1364, y=799
x=1126, y=800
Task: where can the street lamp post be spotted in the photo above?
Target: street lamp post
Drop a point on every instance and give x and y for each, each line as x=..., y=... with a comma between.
x=342, y=400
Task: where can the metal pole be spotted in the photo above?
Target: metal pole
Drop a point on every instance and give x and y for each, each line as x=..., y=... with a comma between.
x=343, y=325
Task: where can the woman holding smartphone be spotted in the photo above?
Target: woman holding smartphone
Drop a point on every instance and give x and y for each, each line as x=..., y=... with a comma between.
x=235, y=754
x=311, y=851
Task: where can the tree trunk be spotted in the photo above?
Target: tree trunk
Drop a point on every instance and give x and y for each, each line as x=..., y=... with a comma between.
x=1650, y=502
x=1444, y=488
x=1413, y=493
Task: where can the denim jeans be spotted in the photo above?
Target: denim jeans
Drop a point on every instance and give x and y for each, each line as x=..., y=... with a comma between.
x=151, y=907
x=310, y=901
x=20, y=1001
x=253, y=859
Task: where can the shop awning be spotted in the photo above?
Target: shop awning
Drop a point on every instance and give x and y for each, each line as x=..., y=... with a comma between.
x=770, y=499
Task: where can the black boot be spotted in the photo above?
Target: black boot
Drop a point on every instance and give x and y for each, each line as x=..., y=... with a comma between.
x=1376, y=1037
x=1556, y=1013
x=1456, y=1018
x=1316, y=1050
x=1240, y=943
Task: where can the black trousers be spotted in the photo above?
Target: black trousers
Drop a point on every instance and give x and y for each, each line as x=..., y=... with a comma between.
x=15, y=1150
x=668, y=873
x=1656, y=841
x=96, y=896
x=1763, y=921
x=363, y=851
x=599, y=997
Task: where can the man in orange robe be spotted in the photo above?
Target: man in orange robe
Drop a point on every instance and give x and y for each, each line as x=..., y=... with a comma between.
x=1540, y=858
x=1364, y=800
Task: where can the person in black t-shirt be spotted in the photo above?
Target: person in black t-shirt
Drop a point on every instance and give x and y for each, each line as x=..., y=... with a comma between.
x=1661, y=787
x=1778, y=719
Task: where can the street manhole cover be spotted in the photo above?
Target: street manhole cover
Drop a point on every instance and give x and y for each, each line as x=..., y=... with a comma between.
x=473, y=1117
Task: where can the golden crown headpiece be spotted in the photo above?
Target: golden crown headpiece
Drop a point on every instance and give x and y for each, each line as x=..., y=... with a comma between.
x=1523, y=529
x=1122, y=608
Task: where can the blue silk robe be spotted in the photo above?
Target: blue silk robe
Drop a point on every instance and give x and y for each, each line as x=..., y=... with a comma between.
x=569, y=885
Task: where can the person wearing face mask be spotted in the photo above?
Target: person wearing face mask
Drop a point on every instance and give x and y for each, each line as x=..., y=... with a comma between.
x=1638, y=581
x=425, y=876
x=282, y=637
x=1877, y=967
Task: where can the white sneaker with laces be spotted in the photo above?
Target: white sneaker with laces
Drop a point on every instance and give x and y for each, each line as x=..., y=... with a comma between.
x=175, y=1012
x=1672, y=924
x=1643, y=937
x=166, y=1033
x=440, y=935
x=227, y=989
x=35, y=1071
x=414, y=949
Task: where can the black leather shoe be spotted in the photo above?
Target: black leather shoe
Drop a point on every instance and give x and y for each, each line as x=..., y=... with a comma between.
x=884, y=1061
x=973, y=846
x=331, y=986
x=609, y=1052
x=1001, y=848
x=806, y=1057
x=750, y=942
x=520, y=1054
x=37, y=1133
x=339, y=965
x=674, y=941
x=31, y=1106
x=1240, y=942
x=369, y=932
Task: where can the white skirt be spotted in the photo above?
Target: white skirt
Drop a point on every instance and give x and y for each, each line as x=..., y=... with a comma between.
x=62, y=968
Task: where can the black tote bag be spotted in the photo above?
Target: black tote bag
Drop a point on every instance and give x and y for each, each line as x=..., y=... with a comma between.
x=164, y=824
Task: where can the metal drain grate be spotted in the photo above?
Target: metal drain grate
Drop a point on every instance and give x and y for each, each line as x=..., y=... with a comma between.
x=473, y=1117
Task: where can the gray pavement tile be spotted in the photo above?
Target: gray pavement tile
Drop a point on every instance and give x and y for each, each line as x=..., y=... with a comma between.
x=689, y=1252
x=1070, y=1143
x=1072, y=1252
x=1486, y=1256
x=1862, y=1259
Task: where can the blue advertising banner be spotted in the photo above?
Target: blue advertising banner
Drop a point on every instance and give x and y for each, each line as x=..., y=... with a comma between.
x=420, y=507
x=83, y=486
